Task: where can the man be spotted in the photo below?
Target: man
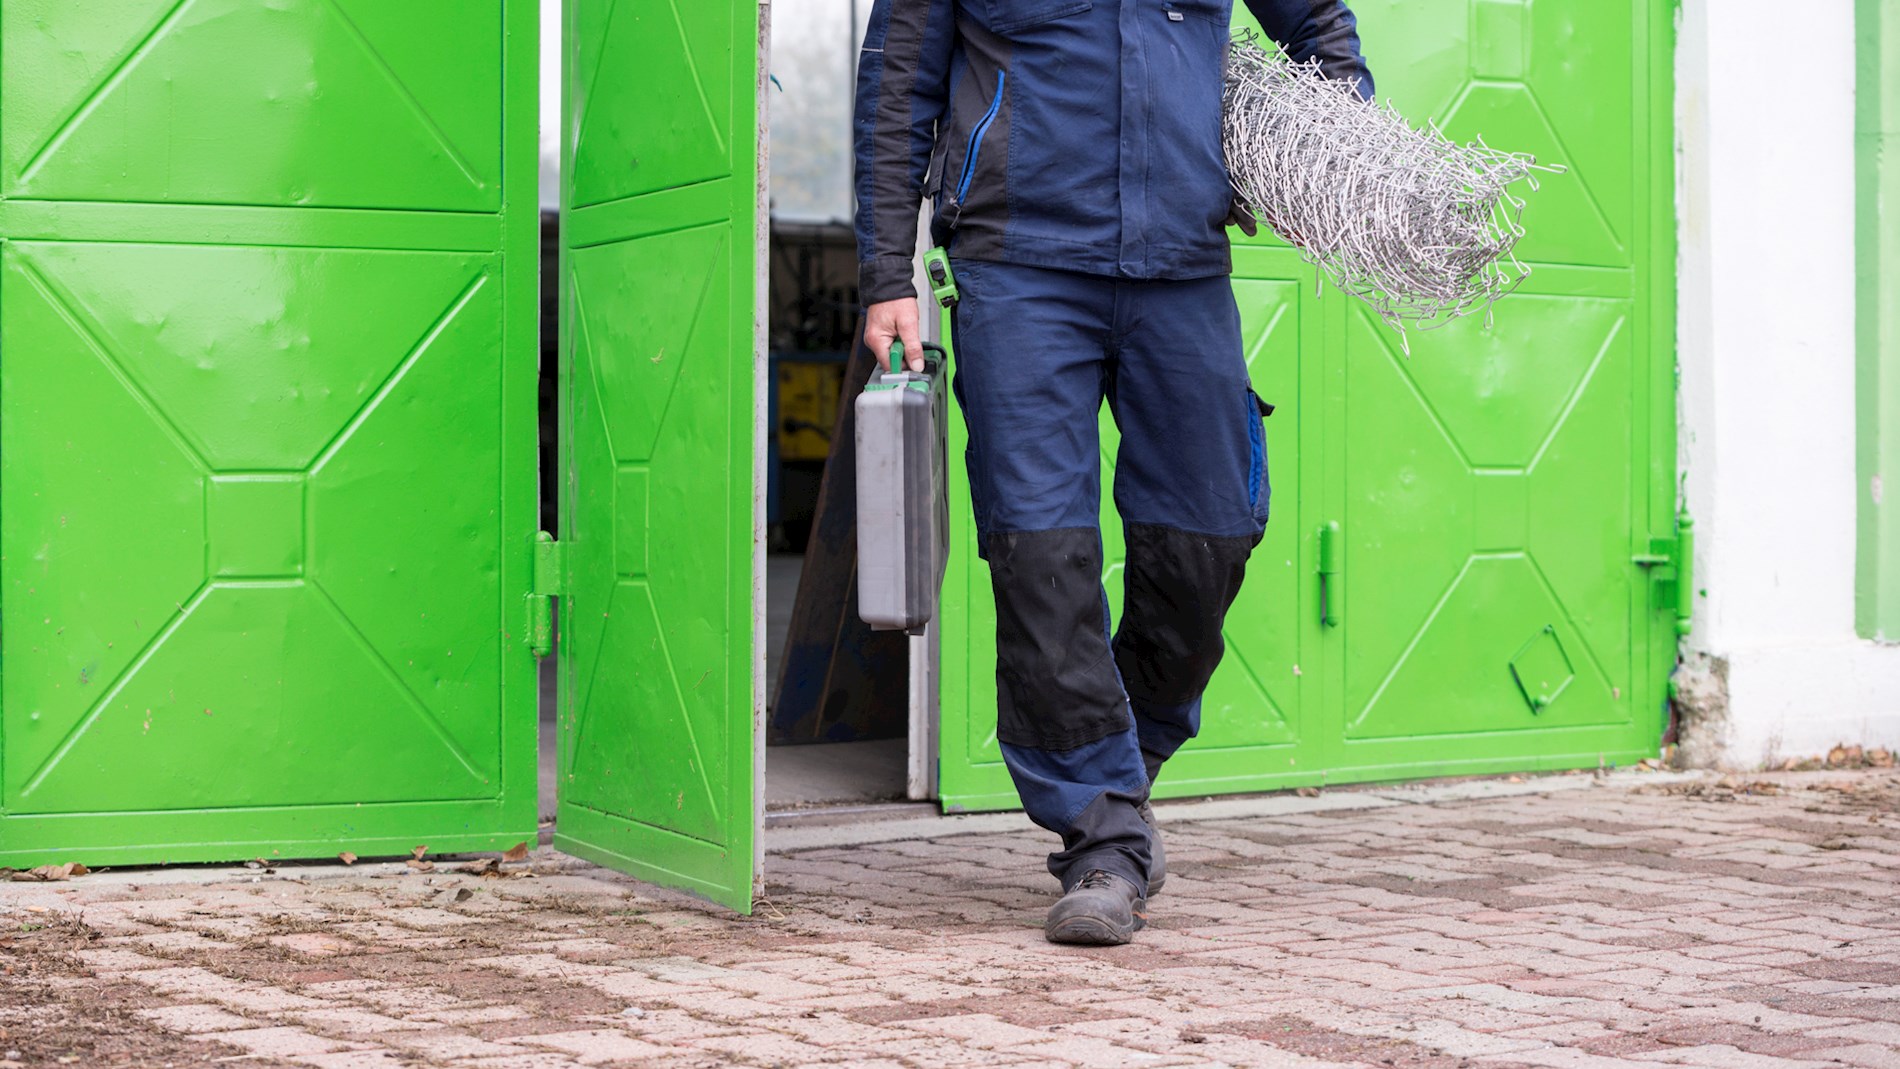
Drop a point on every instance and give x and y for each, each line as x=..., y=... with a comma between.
x=1072, y=152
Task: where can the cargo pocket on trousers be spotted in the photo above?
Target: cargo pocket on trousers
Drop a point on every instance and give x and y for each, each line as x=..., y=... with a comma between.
x=1259, y=485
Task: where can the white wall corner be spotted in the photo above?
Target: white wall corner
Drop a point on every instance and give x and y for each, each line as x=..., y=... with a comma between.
x=1765, y=226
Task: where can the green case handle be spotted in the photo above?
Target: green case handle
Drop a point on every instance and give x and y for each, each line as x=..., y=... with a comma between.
x=930, y=348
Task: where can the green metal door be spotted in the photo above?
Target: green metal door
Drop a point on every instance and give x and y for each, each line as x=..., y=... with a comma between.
x=267, y=302
x=1494, y=490
x=1481, y=505
x=662, y=341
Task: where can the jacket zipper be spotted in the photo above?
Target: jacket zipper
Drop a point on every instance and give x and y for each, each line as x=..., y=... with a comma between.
x=976, y=138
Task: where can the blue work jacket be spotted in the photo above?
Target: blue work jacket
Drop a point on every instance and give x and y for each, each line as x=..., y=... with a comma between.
x=1083, y=135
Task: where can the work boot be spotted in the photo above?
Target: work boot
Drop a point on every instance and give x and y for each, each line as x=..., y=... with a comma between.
x=1157, y=857
x=1103, y=910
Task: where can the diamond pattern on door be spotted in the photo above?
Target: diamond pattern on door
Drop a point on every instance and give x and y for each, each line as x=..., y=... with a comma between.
x=650, y=397
x=1487, y=488
x=309, y=103
x=209, y=460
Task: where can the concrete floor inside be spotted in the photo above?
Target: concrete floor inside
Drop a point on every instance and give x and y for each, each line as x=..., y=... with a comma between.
x=820, y=774
x=834, y=773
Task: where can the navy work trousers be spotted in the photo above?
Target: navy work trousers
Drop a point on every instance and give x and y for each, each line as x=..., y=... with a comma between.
x=1086, y=717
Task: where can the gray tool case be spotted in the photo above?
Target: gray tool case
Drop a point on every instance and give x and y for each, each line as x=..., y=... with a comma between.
x=903, y=514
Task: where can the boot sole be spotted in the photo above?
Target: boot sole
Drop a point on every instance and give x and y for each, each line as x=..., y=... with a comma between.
x=1093, y=931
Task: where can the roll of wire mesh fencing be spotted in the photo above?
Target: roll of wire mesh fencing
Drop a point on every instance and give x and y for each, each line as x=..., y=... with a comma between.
x=1420, y=228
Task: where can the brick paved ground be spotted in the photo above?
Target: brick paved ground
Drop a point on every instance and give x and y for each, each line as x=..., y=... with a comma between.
x=1626, y=925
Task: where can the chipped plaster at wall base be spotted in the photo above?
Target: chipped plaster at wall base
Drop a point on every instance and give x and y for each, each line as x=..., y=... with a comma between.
x=1702, y=712
x=1758, y=706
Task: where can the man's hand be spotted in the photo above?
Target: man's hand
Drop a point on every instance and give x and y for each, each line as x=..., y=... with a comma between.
x=1239, y=215
x=889, y=321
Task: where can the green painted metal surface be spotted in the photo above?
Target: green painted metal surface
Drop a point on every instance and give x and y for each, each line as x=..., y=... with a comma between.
x=661, y=355
x=267, y=428
x=1877, y=317
x=1491, y=493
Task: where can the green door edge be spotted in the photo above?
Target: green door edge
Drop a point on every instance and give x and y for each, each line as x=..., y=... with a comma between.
x=728, y=872
x=1663, y=635
x=379, y=828
x=969, y=786
x=1877, y=319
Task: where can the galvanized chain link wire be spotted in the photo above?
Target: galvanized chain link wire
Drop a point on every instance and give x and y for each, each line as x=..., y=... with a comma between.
x=1420, y=228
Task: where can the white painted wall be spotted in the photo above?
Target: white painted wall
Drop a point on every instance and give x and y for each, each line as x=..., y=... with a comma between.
x=1766, y=345
x=550, y=104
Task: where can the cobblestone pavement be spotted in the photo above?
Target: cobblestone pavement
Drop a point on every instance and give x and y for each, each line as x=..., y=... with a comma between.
x=1639, y=923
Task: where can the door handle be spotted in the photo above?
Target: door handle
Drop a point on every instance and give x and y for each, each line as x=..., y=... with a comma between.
x=1332, y=606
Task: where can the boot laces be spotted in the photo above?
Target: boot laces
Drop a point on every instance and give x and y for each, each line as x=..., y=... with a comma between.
x=1096, y=878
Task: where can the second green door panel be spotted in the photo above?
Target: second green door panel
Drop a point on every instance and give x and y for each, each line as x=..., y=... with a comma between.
x=659, y=715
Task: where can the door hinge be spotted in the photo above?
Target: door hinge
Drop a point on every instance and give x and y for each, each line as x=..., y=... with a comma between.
x=1332, y=606
x=1671, y=564
x=550, y=571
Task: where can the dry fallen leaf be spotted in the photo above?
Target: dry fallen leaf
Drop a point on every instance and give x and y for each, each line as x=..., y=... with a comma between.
x=460, y=894
x=481, y=866
x=50, y=873
x=1308, y=792
x=347, y=858
x=517, y=852
x=419, y=851
x=420, y=866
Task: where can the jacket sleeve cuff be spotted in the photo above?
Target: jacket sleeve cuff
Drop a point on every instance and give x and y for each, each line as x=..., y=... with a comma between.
x=885, y=278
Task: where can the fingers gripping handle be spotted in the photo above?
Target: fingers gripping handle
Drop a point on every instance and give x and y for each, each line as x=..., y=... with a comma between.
x=934, y=358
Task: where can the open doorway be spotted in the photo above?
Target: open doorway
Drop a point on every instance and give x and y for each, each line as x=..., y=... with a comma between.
x=837, y=723
x=838, y=696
